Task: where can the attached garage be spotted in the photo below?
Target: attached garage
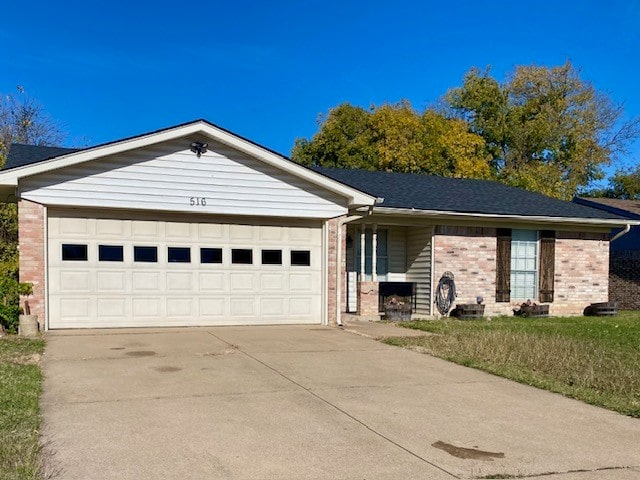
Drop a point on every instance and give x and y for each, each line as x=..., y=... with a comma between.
x=191, y=225
x=135, y=272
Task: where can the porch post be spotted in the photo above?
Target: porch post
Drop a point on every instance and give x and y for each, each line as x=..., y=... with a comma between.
x=362, y=252
x=374, y=253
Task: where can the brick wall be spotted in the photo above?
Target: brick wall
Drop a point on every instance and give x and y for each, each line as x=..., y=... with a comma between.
x=582, y=272
x=31, y=247
x=470, y=254
x=581, y=268
x=624, y=279
x=332, y=227
x=368, y=299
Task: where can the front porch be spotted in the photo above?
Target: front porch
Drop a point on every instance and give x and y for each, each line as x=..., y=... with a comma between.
x=396, y=263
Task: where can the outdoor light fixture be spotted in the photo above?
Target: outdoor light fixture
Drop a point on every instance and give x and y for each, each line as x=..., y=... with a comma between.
x=199, y=148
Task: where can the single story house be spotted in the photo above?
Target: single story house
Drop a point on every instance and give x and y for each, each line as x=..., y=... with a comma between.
x=194, y=225
x=624, y=254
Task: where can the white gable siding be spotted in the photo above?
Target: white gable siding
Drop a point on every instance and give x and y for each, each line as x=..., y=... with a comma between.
x=170, y=177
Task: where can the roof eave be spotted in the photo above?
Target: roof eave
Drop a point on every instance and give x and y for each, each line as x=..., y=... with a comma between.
x=445, y=215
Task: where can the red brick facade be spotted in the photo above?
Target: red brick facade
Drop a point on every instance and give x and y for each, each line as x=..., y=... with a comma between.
x=368, y=299
x=582, y=271
x=581, y=268
x=31, y=245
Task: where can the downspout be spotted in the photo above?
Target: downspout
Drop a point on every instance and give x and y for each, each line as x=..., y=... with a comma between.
x=621, y=233
x=341, y=223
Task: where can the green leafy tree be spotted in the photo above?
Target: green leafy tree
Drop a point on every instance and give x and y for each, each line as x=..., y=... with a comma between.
x=545, y=129
x=395, y=137
x=22, y=120
x=624, y=184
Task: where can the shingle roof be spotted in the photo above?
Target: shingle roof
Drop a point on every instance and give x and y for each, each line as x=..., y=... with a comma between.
x=408, y=191
x=626, y=208
x=21, y=155
x=460, y=195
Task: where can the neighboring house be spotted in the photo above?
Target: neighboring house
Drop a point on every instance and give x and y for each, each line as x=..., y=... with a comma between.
x=624, y=253
x=193, y=225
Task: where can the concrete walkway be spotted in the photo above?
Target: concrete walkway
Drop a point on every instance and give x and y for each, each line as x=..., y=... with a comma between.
x=306, y=403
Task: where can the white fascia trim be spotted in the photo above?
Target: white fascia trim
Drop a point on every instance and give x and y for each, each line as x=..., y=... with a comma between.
x=356, y=198
x=444, y=215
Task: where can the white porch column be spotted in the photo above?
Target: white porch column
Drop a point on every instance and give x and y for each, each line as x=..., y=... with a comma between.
x=362, y=252
x=374, y=253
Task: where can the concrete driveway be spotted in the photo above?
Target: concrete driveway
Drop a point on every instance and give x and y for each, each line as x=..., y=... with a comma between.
x=306, y=403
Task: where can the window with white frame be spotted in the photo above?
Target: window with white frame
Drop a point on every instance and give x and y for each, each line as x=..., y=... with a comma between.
x=381, y=257
x=524, y=265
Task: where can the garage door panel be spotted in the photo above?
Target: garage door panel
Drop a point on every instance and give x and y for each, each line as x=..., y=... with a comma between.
x=78, y=227
x=123, y=292
x=145, y=281
x=180, y=307
x=147, y=307
x=242, y=306
x=180, y=281
x=75, y=307
x=273, y=282
x=273, y=306
x=242, y=281
x=111, y=281
x=209, y=282
x=212, y=306
x=300, y=306
x=109, y=228
x=75, y=281
x=112, y=307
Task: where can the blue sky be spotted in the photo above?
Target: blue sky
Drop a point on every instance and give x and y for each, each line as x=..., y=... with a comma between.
x=265, y=70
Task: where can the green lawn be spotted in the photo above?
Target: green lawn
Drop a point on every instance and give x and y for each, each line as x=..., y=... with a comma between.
x=20, y=387
x=594, y=359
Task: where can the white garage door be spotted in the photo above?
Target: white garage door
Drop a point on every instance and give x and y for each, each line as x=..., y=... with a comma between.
x=113, y=272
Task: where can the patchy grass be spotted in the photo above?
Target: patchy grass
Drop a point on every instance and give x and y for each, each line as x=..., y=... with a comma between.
x=593, y=359
x=20, y=386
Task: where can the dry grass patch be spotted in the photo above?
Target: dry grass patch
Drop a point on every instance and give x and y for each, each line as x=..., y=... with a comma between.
x=596, y=360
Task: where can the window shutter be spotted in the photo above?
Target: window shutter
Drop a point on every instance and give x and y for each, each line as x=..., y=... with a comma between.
x=547, y=264
x=503, y=265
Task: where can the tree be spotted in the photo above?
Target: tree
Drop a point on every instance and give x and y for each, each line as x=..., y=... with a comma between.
x=545, y=129
x=22, y=120
x=624, y=184
x=394, y=137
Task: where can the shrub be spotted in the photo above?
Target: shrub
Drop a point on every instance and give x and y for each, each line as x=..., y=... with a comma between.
x=10, y=291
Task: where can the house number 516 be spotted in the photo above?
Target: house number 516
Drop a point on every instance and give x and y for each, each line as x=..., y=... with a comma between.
x=197, y=201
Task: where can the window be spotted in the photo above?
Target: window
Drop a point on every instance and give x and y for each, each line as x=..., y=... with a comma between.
x=524, y=265
x=272, y=257
x=179, y=254
x=300, y=258
x=382, y=268
x=110, y=253
x=210, y=255
x=242, y=256
x=74, y=252
x=145, y=254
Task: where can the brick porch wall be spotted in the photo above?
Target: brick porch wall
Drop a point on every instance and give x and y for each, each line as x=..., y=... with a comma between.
x=31, y=249
x=581, y=268
x=368, y=299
